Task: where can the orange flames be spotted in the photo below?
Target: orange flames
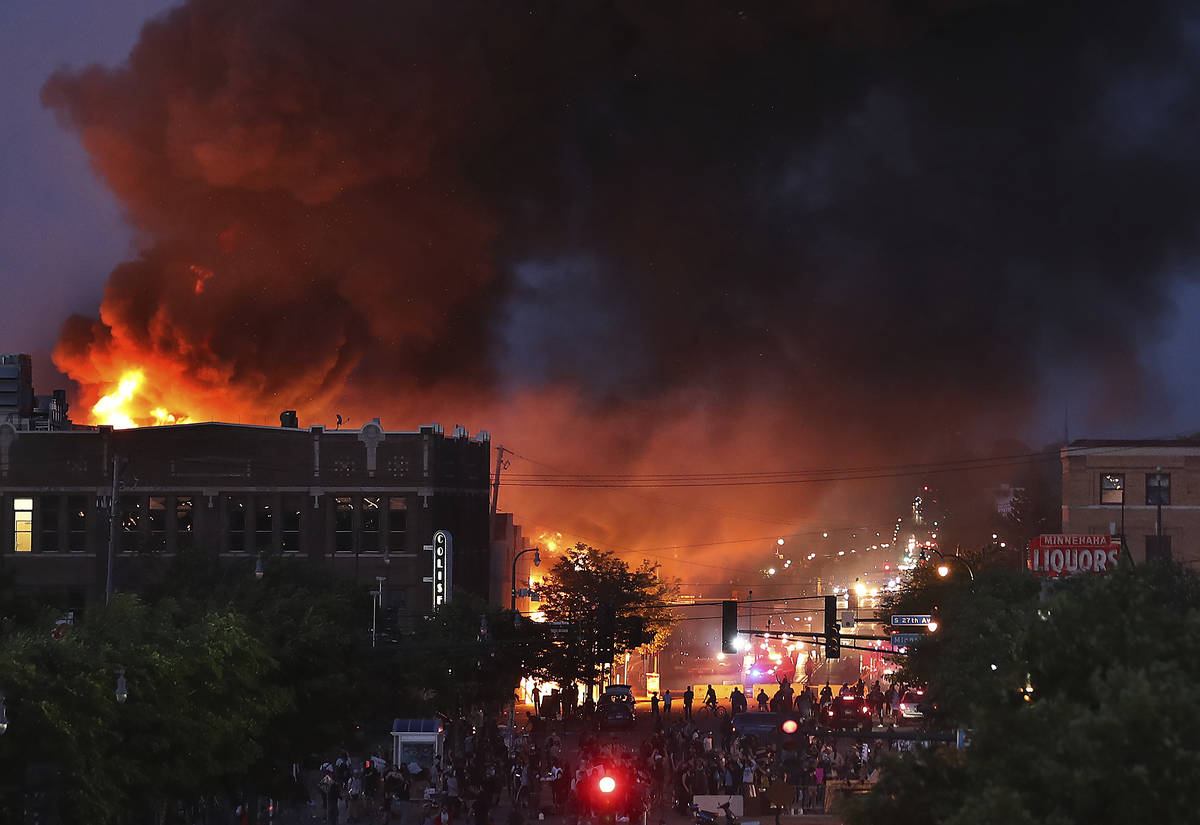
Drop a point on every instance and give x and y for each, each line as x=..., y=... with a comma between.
x=550, y=542
x=120, y=408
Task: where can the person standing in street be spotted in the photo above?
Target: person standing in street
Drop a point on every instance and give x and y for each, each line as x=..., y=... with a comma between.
x=654, y=704
x=688, y=696
x=667, y=703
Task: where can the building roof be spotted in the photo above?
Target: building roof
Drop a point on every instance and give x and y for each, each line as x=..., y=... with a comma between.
x=1117, y=443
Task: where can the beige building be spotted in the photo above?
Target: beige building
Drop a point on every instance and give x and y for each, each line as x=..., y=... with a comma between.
x=1115, y=487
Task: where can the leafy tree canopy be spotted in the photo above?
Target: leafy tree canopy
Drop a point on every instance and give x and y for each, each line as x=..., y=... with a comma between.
x=1087, y=716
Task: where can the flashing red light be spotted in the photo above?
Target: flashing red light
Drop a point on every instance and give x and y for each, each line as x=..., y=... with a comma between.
x=607, y=784
x=790, y=726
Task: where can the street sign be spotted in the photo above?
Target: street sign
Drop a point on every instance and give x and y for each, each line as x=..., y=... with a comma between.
x=907, y=639
x=911, y=621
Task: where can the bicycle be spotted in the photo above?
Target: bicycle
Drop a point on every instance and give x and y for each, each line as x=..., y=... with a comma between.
x=718, y=712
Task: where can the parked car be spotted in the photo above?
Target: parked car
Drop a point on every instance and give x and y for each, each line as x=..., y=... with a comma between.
x=914, y=704
x=848, y=711
x=766, y=728
x=616, y=713
x=618, y=692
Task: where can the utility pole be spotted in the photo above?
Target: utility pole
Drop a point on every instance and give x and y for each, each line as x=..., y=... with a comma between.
x=113, y=509
x=500, y=465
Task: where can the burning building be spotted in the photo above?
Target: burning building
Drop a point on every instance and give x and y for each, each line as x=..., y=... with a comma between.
x=366, y=503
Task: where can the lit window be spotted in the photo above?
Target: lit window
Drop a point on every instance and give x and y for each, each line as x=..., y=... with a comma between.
x=1158, y=489
x=1112, y=488
x=22, y=525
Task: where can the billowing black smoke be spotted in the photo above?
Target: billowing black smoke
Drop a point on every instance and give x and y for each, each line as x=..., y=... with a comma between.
x=873, y=220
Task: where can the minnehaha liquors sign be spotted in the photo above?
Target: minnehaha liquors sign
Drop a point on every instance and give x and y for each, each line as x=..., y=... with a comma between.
x=1062, y=555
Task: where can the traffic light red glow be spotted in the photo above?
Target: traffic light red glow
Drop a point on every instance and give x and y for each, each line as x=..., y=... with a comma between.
x=790, y=726
x=607, y=784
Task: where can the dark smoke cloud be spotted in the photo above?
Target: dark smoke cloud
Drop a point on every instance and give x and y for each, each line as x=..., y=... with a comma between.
x=889, y=218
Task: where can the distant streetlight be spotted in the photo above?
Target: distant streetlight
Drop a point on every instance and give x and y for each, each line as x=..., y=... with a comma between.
x=943, y=570
x=537, y=561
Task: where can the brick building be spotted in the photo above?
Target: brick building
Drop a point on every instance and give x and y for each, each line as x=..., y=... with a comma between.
x=1107, y=484
x=364, y=502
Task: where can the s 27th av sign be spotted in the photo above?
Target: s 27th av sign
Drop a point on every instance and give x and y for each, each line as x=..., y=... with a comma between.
x=1065, y=555
x=911, y=621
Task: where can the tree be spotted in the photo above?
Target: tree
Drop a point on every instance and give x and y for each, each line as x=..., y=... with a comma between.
x=594, y=593
x=200, y=691
x=1087, y=718
x=468, y=657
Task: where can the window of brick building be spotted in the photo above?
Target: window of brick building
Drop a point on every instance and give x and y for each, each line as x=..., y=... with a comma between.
x=77, y=507
x=370, y=519
x=343, y=524
x=1158, y=489
x=133, y=520
x=264, y=524
x=289, y=523
x=235, y=507
x=22, y=525
x=1158, y=547
x=156, y=516
x=1112, y=488
x=185, y=521
x=50, y=507
x=397, y=523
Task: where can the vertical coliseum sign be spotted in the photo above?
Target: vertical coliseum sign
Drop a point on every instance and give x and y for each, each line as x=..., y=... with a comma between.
x=1065, y=555
x=443, y=567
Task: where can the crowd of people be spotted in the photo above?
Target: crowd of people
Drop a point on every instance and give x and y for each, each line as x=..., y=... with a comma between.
x=529, y=773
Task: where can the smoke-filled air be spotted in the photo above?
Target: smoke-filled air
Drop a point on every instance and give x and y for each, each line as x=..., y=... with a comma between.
x=640, y=237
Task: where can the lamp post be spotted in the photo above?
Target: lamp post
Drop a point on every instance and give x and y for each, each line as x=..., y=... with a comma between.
x=537, y=561
x=943, y=570
x=375, y=594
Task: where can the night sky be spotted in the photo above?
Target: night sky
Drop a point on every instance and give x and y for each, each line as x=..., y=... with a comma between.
x=860, y=225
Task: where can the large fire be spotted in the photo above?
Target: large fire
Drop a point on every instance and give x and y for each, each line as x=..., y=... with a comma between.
x=120, y=408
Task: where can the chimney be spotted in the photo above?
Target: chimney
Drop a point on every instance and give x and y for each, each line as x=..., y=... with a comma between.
x=288, y=418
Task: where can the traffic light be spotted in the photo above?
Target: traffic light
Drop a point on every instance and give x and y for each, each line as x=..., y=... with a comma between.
x=788, y=728
x=606, y=628
x=729, y=628
x=833, y=633
x=635, y=632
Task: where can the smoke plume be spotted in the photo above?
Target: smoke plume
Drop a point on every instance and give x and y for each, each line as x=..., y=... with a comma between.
x=625, y=235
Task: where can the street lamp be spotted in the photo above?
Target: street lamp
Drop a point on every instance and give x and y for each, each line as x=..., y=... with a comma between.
x=943, y=569
x=537, y=561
